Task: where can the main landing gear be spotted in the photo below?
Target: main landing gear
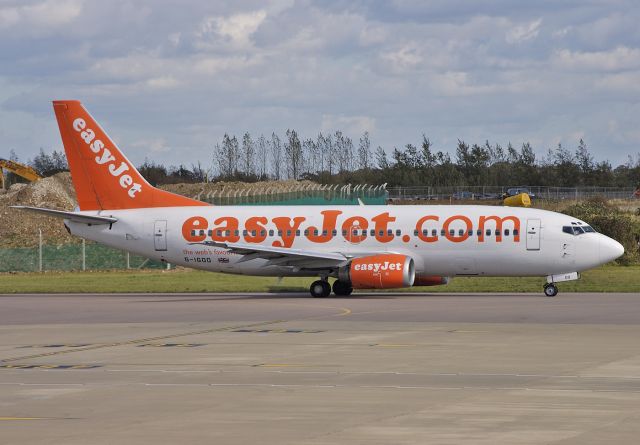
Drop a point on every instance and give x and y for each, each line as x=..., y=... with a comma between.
x=322, y=288
x=342, y=289
x=550, y=290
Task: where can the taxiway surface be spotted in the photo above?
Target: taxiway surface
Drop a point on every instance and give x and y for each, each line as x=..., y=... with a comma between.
x=289, y=369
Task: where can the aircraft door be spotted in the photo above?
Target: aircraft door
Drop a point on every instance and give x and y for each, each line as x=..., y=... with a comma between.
x=533, y=234
x=568, y=252
x=160, y=235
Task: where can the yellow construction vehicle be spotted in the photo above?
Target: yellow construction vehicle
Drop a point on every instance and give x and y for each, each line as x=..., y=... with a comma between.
x=21, y=170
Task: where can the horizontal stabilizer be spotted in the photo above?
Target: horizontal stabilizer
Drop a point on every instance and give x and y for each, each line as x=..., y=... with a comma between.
x=71, y=216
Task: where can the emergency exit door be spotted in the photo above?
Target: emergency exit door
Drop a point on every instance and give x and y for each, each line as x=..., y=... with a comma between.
x=160, y=235
x=533, y=234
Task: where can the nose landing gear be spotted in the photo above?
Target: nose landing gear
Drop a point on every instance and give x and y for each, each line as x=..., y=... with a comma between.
x=550, y=290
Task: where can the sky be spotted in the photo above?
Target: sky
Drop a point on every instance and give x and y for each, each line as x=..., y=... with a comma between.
x=167, y=79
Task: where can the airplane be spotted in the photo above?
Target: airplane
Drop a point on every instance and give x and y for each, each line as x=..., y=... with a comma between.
x=361, y=247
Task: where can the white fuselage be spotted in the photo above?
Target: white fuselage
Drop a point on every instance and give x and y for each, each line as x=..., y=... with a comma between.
x=443, y=240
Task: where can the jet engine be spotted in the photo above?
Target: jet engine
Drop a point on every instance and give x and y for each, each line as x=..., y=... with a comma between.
x=385, y=271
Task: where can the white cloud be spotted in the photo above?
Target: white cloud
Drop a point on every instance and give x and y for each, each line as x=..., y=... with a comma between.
x=351, y=125
x=403, y=59
x=163, y=82
x=236, y=28
x=47, y=14
x=620, y=58
x=153, y=145
x=523, y=33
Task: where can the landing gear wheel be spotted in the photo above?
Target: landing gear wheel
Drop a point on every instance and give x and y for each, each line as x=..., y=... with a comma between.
x=320, y=288
x=342, y=289
x=550, y=290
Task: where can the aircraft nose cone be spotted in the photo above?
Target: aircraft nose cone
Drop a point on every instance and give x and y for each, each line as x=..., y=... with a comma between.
x=610, y=249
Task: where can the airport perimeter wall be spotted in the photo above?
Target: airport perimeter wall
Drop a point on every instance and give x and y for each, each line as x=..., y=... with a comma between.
x=433, y=193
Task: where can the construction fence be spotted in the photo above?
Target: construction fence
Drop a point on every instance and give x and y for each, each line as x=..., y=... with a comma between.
x=297, y=194
x=70, y=257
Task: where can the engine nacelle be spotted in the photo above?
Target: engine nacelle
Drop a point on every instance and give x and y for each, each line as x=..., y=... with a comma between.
x=430, y=280
x=385, y=271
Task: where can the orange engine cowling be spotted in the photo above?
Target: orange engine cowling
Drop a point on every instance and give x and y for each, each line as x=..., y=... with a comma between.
x=430, y=280
x=384, y=271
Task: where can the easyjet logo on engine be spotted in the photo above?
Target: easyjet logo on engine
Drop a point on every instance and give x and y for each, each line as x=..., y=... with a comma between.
x=106, y=158
x=377, y=267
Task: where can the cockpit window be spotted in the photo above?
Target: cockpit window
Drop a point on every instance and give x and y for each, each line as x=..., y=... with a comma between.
x=577, y=230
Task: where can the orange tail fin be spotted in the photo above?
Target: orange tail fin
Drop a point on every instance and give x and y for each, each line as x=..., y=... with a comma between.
x=103, y=177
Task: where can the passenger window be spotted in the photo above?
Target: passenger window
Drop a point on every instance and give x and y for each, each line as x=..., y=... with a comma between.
x=479, y=232
x=425, y=232
x=279, y=232
x=354, y=233
x=253, y=233
x=497, y=232
x=236, y=232
x=193, y=233
x=415, y=232
x=372, y=232
x=442, y=232
x=389, y=232
x=306, y=232
x=244, y=233
x=381, y=233
x=344, y=233
x=398, y=232
x=324, y=233
x=262, y=232
x=315, y=232
x=434, y=232
x=270, y=232
x=488, y=232
x=210, y=232
x=515, y=232
x=202, y=233
x=334, y=232
x=506, y=232
x=470, y=232
x=219, y=233
x=288, y=232
x=452, y=232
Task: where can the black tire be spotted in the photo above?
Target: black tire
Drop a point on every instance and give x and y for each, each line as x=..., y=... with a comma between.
x=320, y=289
x=550, y=290
x=342, y=289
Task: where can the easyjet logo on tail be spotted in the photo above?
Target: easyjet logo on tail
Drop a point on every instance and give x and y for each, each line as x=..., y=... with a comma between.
x=106, y=158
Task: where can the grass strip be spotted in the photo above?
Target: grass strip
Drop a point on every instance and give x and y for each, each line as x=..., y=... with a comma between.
x=608, y=278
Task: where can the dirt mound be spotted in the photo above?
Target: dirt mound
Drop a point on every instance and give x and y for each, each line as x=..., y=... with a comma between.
x=19, y=228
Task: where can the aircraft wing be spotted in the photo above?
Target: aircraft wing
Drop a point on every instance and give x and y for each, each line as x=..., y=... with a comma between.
x=71, y=216
x=278, y=256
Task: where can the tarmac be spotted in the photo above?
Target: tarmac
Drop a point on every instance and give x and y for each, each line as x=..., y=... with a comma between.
x=290, y=369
